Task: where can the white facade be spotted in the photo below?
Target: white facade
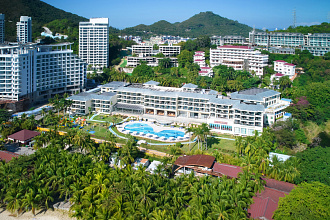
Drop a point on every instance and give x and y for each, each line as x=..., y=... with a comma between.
x=206, y=71
x=2, y=28
x=170, y=50
x=151, y=61
x=142, y=50
x=242, y=113
x=240, y=58
x=38, y=72
x=94, y=42
x=199, y=58
x=287, y=69
x=24, y=30
x=228, y=39
x=318, y=43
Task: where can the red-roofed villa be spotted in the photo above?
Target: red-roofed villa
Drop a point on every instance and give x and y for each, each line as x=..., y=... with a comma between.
x=23, y=136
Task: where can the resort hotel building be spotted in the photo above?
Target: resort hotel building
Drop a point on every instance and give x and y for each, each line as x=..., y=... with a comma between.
x=229, y=39
x=151, y=61
x=241, y=113
x=38, y=72
x=318, y=44
x=94, y=42
x=169, y=50
x=24, y=30
x=240, y=58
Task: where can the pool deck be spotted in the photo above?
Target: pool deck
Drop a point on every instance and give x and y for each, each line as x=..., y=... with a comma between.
x=156, y=128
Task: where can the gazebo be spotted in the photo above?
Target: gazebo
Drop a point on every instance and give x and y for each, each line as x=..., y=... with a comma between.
x=23, y=136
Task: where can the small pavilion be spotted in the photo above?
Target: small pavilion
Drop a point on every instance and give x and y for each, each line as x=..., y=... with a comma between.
x=23, y=136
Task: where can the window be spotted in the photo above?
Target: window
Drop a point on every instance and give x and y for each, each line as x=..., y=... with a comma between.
x=237, y=130
x=243, y=130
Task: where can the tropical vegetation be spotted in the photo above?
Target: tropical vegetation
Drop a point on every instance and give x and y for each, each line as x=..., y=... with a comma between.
x=306, y=201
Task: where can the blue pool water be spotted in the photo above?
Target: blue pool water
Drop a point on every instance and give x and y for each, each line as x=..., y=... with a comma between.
x=145, y=128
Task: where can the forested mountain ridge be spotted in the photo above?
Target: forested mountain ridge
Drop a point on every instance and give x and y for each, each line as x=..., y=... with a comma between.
x=320, y=28
x=204, y=23
x=41, y=13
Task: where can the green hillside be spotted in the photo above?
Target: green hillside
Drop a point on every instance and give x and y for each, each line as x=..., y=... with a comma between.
x=41, y=13
x=321, y=28
x=204, y=23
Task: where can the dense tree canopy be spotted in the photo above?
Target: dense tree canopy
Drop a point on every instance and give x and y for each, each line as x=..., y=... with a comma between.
x=314, y=165
x=306, y=201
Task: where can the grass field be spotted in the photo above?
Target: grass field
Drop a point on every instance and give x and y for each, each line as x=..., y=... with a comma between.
x=124, y=63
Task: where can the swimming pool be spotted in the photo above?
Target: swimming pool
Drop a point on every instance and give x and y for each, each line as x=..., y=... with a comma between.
x=147, y=129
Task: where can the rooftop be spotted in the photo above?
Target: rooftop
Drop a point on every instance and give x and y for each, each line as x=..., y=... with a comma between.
x=256, y=94
x=23, y=135
x=114, y=84
x=7, y=156
x=190, y=86
x=235, y=47
x=195, y=160
x=151, y=82
x=226, y=169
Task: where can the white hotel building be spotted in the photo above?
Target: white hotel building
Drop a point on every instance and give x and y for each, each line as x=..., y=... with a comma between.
x=287, y=69
x=24, y=30
x=151, y=61
x=240, y=58
x=38, y=72
x=94, y=42
x=142, y=50
x=318, y=43
x=240, y=114
x=169, y=50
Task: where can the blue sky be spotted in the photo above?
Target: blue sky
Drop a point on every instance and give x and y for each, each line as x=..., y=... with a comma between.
x=258, y=13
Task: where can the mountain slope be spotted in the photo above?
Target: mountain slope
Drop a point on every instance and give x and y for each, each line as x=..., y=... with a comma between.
x=41, y=13
x=204, y=23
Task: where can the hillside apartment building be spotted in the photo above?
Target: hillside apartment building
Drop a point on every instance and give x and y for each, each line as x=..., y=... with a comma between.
x=24, y=30
x=241, y=113
x=318, y=44
x=240, y=58
x=94, y=42
x=146, y=53
x=38, y=72
x=228, y=39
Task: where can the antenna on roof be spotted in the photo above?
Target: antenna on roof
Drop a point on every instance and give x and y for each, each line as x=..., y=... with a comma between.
x=294, y=18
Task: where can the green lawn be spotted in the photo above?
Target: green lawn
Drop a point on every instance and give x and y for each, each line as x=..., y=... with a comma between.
x=213, y=144
x=124, y=63
x=107, y=118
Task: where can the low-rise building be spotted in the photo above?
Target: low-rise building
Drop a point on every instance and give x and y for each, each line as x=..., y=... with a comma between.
x=241, y=113
x=287, y=69
x=169, y=50
x=140, y=162
x=151, y=61
x=318, y=43
x=239, y=58
x=145, y=50
x=199, y=58
x=206, y=71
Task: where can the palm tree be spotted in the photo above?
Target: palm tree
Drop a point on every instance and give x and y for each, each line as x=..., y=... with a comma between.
x=239, y=145
x=205, y=131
